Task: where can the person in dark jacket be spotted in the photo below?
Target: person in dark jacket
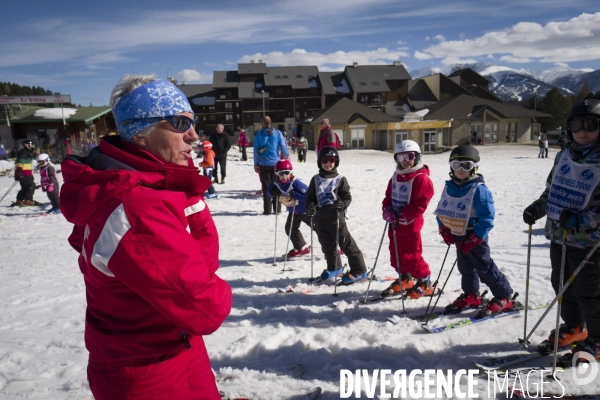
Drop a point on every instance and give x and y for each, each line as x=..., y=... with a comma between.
x=327, y=199
x=49, y=183
x=221, y=145
x=24, y=174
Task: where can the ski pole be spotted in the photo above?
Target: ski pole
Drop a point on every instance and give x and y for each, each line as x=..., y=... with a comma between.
x=398, y=264
x=288, y=240
x=522, y=341
x=437, y=280
x=375, y=264
x=312, y=254
x=337, y=251
x=275, y=245
x=567, y=284
x=563, y=261
x=443, y=287
x=9, y=189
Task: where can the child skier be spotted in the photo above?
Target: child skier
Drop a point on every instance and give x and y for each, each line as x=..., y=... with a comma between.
x=292, y=194
x=207, y=164
x=327, y=199
x=465, y=216
x=49, y=182
x=302, y=145
x=406, y=198
x=571, y=202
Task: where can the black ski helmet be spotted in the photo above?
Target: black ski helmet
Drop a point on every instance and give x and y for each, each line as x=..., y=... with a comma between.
x=328, y=151
x=585, y=107
x=27, y=142
x=466, y=152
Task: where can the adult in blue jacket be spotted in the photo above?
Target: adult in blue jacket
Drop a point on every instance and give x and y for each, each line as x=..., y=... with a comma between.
x=269, y=148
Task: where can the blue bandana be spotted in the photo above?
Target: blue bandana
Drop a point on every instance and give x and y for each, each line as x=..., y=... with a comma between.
x=155, y=99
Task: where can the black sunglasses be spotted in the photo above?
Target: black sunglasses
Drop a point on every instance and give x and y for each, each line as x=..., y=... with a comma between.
x=179, y=122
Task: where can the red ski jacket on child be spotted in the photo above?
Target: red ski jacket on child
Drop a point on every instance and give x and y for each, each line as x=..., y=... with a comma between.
x=408, y=231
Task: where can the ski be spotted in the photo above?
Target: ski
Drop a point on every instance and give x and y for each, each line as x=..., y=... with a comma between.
x=396, y=319
x=520, y=394
x=494, y=363
x=472, y=321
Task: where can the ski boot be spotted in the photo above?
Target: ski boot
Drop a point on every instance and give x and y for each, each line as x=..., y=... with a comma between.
x=351, y=278
x=327, y=274
x=589, y=346
x=420, y=289
x=299, y=252
x=566, y=336
x=464, y=302
x=498, y=305
x=407, y=283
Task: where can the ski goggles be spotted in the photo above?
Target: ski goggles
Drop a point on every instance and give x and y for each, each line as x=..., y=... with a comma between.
x=327, y=160
x=464, y=165
x=409, y=156
x=284, y=172
x=584, y=123
x=181, y=123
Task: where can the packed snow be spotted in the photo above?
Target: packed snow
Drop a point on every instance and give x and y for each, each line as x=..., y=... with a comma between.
x=42, y=351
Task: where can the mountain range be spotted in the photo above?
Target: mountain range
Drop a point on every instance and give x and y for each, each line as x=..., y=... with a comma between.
x=511, y=84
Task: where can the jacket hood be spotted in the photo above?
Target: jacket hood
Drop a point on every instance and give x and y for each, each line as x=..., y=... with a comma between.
x=113, y=167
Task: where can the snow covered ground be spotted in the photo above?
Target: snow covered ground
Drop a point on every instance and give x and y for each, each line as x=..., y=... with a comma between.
x=42, y=299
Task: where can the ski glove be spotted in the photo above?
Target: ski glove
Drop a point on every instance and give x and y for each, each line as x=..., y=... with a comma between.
x=288, y=201
x=338, y=205
x=311, y=211
x=389, y=215
x=447, y=235
x=50, y=188
x=530, y=215
x=569, y=219
x=470, y=243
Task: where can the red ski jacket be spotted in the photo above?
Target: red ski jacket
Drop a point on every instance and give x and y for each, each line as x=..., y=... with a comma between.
x=422, y=192
x=148, y=252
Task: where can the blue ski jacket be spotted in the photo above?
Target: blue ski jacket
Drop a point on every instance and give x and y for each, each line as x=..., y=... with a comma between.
x=298, y=193
x=268, y=143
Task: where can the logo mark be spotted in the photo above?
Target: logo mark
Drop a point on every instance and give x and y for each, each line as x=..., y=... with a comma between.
x=587, y=174
x=445, y=203
x=586, y=372
x=403, y=188
x=461, y=206
x=564, y=169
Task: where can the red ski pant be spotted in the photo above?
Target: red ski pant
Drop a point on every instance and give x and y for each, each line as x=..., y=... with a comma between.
x=410, y=249
x=185, y=375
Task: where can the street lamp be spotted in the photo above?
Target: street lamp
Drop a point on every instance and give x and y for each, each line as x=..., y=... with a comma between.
x=263, y=97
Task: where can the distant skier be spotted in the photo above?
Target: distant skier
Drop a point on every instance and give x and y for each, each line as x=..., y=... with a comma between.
x=406, y=198
x=302, y=145
x=571, y=202
x=49, y=183
x=465, y=216
x=208, y=164
x=327, y=199
x=24, y=174
x=292, y=194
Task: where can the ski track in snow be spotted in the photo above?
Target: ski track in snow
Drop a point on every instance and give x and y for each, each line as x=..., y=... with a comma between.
x=42, y=351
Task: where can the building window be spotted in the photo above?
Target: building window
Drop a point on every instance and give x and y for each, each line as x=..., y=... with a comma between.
x=298, y=76
x=212, y=118
x=237, y=103
x=279, y=91
x=385, y=74
x=364, y=99
x=376, y=99
x=285, y=77
x=228, y=117
x=447, y=95
x=362, y=83
x=375, y=83
x=277, y=76
x=228, y=106
x=357, y=138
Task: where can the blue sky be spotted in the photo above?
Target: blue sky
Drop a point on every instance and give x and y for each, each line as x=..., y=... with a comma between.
x=82, y=48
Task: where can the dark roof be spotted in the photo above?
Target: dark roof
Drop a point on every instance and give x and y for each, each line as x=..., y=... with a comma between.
x=83, y=114
x=252, y=68
x=372, y=78
x=345, y=111
x=482, y=93
x=333, y=83
x=225, y=79
x=195, y=90
x=296, y=77
x=466, y=72
x=464, y=106
x=248, y=90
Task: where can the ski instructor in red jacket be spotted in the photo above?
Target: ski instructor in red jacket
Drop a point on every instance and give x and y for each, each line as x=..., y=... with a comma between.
x=148, y=250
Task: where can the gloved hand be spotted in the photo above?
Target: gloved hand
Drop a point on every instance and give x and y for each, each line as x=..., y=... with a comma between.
x=530, y=215
x=337, y=205
x=17, y=177
x=256, y=168
x=470, y=243
x=274, y=191
x=50, y=188
x=389, y=215
x=447, y=235
x=568, y=219
x=288, y=201
x=311, y=210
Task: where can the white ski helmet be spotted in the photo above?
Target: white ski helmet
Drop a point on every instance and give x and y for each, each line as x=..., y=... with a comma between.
x=406, y=146
x=43, y=157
